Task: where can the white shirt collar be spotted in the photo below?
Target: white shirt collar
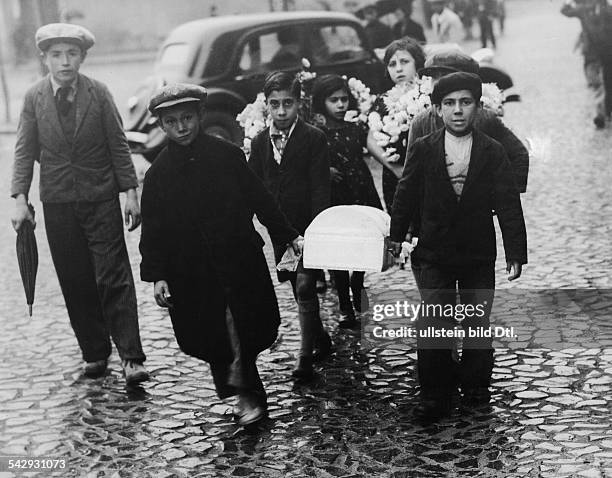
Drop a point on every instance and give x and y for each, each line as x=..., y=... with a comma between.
x=56, y=86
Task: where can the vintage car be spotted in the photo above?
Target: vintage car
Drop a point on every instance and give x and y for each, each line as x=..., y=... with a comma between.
x=231, y=56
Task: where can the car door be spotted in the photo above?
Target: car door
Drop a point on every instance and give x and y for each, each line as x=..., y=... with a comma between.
x=280, y=47
x=342, y=48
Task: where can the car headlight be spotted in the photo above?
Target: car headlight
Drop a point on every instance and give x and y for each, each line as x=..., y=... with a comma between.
x=132, y=102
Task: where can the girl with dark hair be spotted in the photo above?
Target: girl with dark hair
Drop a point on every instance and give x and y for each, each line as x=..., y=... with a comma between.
x=352, y=182
x=403, y=58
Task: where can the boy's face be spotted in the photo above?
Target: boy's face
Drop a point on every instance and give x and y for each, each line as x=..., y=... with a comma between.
x=283, y=108
x=458, y=110
x=181, y=123
x=63, y=61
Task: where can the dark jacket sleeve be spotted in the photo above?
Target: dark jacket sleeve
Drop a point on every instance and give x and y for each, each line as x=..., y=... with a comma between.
x=153, y=245
x=516, y=151
x=263, y=204
x=507, y=204
x=117, y=142
x=27, y=149
x=255, y=158
x=320, y=180
x=407, y=200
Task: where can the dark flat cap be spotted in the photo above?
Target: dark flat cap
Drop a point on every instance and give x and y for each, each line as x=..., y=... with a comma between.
x=449, y=62
x=52, y=33
x=455, y=82
x=174, y=94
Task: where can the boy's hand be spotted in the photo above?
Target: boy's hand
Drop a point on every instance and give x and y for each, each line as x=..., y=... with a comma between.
x=21, y=213
x=395, y=248
x=514, y=269
x=161, y=293
x=298, y=245
x=132, y=210
x=336, y=175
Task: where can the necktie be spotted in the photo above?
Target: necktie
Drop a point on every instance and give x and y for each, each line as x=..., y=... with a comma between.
x=63, y=105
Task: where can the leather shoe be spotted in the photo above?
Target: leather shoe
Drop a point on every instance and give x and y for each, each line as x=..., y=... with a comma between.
x=476, y=396
x=250, y=410
x=95, y=369
x=322, y=347
x=433, y=409
x=303, y=369
x=134, y=372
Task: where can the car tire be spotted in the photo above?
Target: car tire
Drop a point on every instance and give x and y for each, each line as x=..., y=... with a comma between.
x=222, y=125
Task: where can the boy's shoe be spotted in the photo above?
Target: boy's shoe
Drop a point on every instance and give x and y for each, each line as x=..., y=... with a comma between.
x=348, y=321
x=322, y=347
x=95, y=369
x=321, y=286
x=476, y=396
x=361, y=302
x=134, y=372
x=433, y=409
x=303, y=369
x=600, y=122
x=250, y=410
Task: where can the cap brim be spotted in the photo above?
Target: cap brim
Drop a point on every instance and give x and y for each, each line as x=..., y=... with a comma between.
x=168, y=104
x=46, y=43
x=432, y=70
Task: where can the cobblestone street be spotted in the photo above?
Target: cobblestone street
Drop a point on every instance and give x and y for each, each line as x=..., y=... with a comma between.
x=550, y=415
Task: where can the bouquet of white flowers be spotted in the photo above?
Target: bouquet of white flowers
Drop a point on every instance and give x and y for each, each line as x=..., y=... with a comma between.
x=365, y=100
x=253, y=119
x=403, y=102
x=492, y=98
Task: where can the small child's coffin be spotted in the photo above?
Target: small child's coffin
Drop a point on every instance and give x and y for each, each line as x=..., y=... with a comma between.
x=348, y=238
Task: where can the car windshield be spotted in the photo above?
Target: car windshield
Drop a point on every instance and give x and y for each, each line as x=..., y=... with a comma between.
x=176, y=61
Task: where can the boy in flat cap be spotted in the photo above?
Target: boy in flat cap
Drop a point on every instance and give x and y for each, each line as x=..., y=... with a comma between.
x=71, y=126
x=200, y=249
x=452, y=180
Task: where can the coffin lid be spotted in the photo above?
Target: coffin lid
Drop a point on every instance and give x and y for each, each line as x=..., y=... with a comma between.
x=351, y=221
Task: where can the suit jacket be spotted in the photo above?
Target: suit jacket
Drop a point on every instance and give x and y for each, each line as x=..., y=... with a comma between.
x=460, y=232
x=486, y=121
x=94, y=165
x=301, y=182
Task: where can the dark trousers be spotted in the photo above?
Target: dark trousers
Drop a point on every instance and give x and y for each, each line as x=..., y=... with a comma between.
x=486, y=30
x=606, y=71
x=345, y=283
x=93, y=268
x=438, y=373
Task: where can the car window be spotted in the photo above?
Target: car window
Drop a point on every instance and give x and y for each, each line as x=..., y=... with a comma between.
x=174, y=55
x=272, y=50
x=336, y=43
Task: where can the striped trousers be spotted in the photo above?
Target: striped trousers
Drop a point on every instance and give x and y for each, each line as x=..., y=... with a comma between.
x=90, y=258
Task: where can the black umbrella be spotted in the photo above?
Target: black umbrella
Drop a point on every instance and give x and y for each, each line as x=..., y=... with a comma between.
x=27, y=256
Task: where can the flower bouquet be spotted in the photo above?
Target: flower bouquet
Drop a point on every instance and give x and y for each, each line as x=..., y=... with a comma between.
x=403, y=102
x=364, y=98
x=253, y=119
x=492, y=98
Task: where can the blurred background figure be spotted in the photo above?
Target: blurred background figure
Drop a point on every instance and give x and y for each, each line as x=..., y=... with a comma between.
x=379, y=34
x=487, y=10
x=595, y=42
x=406, y=26
x=446, y=24
x=501, y=14
x=466, y=10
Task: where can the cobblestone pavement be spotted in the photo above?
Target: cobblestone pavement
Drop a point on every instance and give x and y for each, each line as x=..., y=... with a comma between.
x=550, y=413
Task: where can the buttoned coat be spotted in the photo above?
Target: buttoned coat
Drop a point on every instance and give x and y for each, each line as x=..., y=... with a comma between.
x=460, y=232
x=94, y=165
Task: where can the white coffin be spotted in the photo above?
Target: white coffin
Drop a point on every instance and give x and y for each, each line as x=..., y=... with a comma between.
x=348, y=238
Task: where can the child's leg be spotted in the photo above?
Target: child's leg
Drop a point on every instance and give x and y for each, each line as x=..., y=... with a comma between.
x=310, y=321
